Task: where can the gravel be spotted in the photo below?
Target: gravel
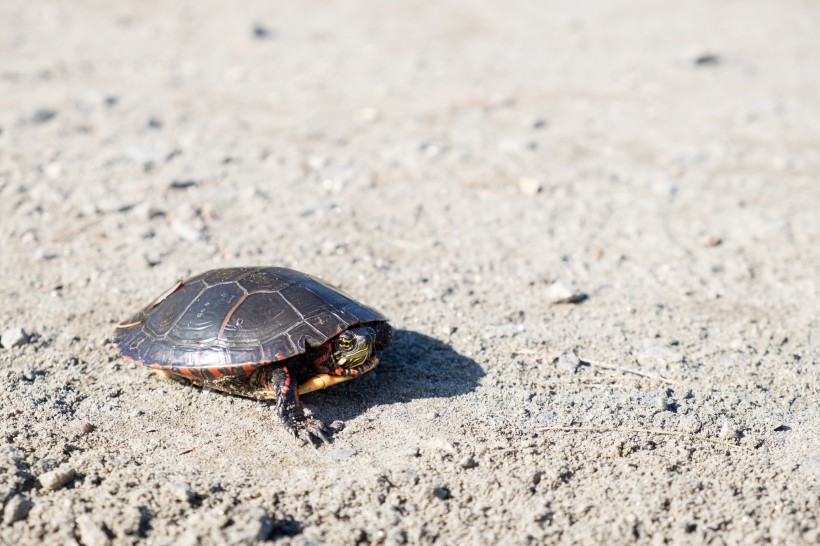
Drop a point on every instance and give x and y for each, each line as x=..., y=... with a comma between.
x=14, y=337
x=445, y=163
x=16, y=509
x=56, y=479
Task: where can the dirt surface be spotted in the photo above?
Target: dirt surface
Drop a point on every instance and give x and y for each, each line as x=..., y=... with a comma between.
x=463, y=167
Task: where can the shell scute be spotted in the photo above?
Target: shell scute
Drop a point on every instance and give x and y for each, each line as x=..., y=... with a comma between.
x=202, y=320
x=159, y=319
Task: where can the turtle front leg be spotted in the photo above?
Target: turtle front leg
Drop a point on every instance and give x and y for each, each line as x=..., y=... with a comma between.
x=283, y=383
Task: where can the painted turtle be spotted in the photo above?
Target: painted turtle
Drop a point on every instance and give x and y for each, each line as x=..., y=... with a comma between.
x=268, y=333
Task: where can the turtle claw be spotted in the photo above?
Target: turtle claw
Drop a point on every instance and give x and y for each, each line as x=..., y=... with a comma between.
x=311, y=431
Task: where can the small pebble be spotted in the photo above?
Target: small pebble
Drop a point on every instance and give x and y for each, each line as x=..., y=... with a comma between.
x=337, y=425
x=442, y=493
x=411, y=451
x=690, y=424
x=185, y=231
x=468, y=462
x=84, y=428
x=560, y=292
x=369, y=115
x=663, y=403
x=152, y=258
x=56, y=479
x=529, y=186
x=707, y=59
x=41, y=115
x=317, y=162
x=181, y=491
x=14, y=337
x=16, y=509
x=261, y=33
x=44, y=254
x=728, y=432
x=254, y=525
x=52, y=170
x=568, y=361
x=396, y=537
x=183, y=184
x=439, y=447
x=447, y=330
x=145, y=211
x=91, y=534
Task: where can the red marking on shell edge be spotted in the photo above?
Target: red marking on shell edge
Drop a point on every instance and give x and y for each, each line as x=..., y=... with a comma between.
x=186, y=372
x=215, y=372
x=128, y=358
x=155, y=366
x=248, y=368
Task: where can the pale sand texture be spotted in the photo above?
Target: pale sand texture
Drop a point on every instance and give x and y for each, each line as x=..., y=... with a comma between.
x=446, y=163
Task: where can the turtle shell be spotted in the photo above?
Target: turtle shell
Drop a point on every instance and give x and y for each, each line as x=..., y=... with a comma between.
x=231, y=321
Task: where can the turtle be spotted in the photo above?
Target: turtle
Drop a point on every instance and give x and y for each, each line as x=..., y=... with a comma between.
x=268, y=333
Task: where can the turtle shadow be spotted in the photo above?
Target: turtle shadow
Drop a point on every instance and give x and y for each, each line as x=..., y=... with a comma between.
x=413, y=366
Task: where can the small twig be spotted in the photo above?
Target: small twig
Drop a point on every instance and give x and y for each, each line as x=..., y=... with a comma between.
x=189, y=450
x=611, y=381
x=629, y=370
x=643, y=431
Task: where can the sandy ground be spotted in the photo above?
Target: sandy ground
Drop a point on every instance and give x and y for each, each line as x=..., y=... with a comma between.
x=447, y=163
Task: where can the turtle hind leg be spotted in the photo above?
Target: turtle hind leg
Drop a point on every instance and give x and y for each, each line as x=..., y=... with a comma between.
x=308, y=429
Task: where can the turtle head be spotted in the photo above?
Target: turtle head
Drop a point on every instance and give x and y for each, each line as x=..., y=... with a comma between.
x=356, y=347
x=353, y=347
x=348, y=355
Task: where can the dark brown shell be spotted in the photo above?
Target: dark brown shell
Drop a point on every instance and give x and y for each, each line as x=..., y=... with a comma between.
x=236, y=319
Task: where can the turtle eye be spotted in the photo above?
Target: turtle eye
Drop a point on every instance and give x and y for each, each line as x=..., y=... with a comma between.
x=345, y=343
